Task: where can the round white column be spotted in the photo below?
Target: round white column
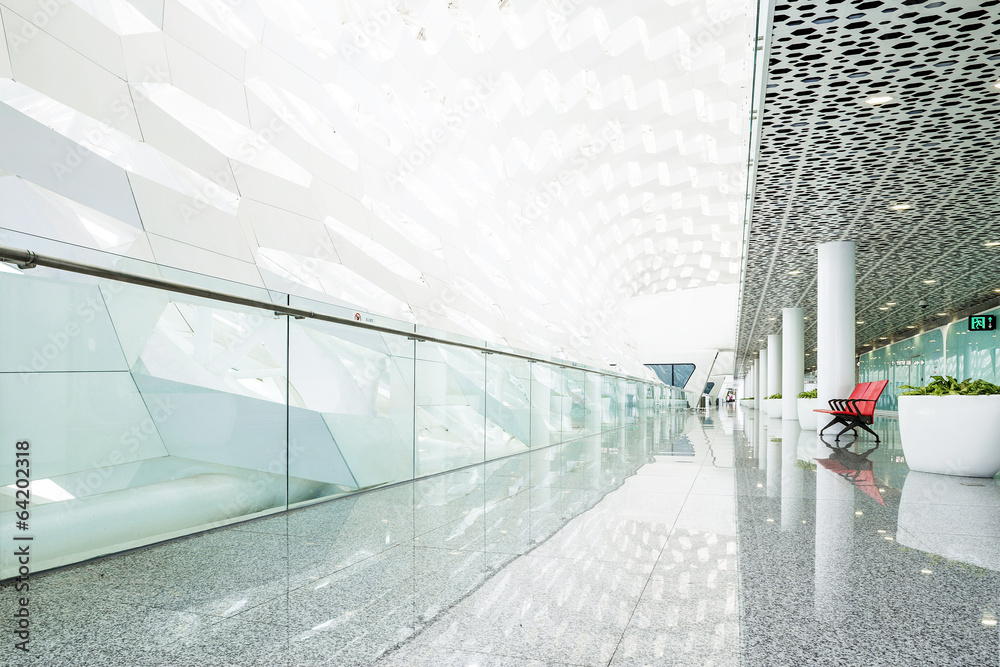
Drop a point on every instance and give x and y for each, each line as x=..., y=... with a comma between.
x=773, y=364
x=763, y=374
x=792, y=360
x=835, y=370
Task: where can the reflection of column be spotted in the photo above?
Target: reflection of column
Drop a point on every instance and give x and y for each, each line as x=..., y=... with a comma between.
x=835, y=322
x=791, y=476
x=773, y=461
x=761, y=444
x=792, y=361
x=773, y=364
x=834, y=542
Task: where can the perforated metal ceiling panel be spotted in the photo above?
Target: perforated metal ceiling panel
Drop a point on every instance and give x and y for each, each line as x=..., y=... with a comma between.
x=833, y=166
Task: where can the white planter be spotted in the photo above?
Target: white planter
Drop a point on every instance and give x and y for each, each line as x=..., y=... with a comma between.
x=772, y=406
x=951, y=435
x=807, y=418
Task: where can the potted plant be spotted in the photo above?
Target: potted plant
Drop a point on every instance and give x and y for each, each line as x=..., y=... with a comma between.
x=951, y=427
x=806, y=402
x=772, y=406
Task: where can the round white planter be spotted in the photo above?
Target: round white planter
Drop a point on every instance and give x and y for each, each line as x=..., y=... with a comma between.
x=951, y=435
x=807, y=418
x=772, y=406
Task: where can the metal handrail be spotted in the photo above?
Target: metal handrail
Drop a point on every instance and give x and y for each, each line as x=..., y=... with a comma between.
x=26, y=259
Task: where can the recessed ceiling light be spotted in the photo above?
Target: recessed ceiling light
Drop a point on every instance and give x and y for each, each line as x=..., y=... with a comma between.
x=794, y=273
x=876, y=100
x=997, y=85
x=771, y=319
x=911, y=326
x=929, y=282
x=860, y=322
x=942, y=314
x=990, y=244
x=996, y=290
x=883, y=307
x=883, y=338
x=890, y=303
x=900, y=207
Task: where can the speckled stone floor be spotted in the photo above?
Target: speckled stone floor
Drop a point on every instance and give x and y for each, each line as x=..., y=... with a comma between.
x=696, y=538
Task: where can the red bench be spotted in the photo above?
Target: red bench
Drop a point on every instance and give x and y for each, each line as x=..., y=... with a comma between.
x=857, y=410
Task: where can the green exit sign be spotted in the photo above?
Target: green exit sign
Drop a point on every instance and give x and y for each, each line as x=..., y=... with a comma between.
x=982, y=322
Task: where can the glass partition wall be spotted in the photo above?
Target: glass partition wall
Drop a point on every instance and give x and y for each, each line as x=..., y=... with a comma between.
x=150, y=414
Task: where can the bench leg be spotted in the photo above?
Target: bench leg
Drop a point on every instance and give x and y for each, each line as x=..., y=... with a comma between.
x=867, y=428
x=850, y=427
x=836, y=420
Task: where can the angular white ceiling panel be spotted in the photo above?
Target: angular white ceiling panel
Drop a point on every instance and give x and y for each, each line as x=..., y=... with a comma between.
x=166, y=212
x=510, y=170
x=205, y=81
x=171, y=252
x=70, y=24
x=151, y=9
x=60, y=71
x=225, y=51
x=42, y=156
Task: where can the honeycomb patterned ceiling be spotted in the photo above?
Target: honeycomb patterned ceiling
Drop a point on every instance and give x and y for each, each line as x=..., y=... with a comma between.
x=912, y=180
x=510, y=170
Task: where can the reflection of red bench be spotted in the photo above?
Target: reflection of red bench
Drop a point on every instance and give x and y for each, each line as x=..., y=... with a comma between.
x=857, y=410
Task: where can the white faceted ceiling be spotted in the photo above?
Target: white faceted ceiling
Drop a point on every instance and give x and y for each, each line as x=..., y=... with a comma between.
x=512, y=171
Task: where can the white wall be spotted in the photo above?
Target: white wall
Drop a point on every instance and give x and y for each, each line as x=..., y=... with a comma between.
x=696, y=326
x=695, y=319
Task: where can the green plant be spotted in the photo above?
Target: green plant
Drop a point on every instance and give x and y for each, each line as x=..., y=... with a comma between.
x=809, y=394
x=748, y=398
x=949, y=386
x=773, y=396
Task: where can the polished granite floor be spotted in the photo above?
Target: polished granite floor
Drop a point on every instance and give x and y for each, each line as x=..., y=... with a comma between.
x=697, y=538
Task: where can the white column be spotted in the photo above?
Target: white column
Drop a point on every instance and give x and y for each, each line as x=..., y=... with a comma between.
x=792, y=360
x=835, y=370
x=773, y=364
x=756, y=386
x=764, y=378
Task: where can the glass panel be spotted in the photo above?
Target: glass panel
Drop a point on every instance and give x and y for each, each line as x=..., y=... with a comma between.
x=175, y=424
x=546, y=414
x=909, y=362
x=450, y=387
x=973, y=354
x=575, y=414
x=351, y=406
x=609, y=403
x=592, y=403
x=508, y=406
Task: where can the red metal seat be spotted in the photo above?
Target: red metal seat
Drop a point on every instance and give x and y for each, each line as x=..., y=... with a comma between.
x=857, y=410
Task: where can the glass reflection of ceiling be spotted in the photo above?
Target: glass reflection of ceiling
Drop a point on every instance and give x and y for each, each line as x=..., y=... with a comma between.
x=511, y=171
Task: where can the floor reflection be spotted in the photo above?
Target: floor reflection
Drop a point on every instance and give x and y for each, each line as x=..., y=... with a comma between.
x=849, y=558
